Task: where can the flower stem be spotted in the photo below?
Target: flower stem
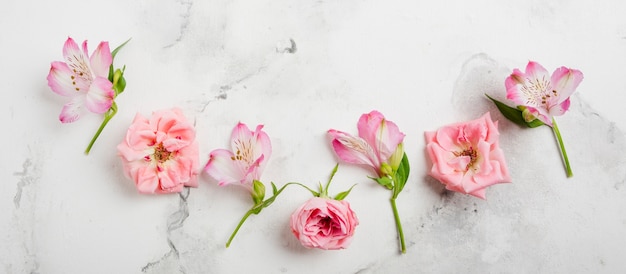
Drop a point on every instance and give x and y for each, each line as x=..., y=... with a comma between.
x=260, y=205
x=398, y=224
x=555, y=128
x=107, y=117
x=239, y=225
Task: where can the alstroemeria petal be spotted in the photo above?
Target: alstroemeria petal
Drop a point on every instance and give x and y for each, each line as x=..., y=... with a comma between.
x=564, y=83
x=560, y=109
x=353, y=150
x=72, y=110
x=383, y=135
x=78, y=63
x=100, y=95
x=101, y=60
x=222, y=167
x=60, y=79
x=528, y=88
x=262, y=145
x=540, y=114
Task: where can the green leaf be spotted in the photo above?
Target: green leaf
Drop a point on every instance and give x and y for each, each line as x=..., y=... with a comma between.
x=384, y=181
x=114, y=52
x=274, y=190
x=344, y=194
x=515, y=115
x=402, y=175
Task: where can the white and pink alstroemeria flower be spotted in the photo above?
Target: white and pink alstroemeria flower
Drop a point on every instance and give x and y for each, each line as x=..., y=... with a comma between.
x=83, y=79
x=245, y=162
x=544, y=96
x=378, y=140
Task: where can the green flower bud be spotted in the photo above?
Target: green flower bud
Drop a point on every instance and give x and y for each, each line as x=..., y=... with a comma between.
x=396, y=157
x=386, y=169
x=258, y=192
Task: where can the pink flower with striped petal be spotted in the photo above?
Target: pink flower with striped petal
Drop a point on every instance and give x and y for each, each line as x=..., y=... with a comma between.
x=379, y=139
x=83, y=79
x=543, y=95
x=245, y=162
x=160, y=153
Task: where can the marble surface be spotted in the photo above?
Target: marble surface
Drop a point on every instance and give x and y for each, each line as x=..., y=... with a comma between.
x=301, y=68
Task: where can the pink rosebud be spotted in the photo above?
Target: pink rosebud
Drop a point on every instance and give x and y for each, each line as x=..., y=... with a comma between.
x=324, y=223
x=466, y=156
x=160, y=154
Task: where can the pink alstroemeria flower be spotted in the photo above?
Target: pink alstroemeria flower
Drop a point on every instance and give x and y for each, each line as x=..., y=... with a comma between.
x=160, y=154
x=83, y=79
x=245, y=163
x=378, y=140
x=543, y=95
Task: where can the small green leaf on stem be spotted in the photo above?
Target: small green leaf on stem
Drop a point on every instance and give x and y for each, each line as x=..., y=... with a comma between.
x=343, y=195
x=383, y=181
x=402, y=175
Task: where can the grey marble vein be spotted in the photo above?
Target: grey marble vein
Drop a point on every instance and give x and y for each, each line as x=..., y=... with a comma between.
x=185, y=16
x=171, y=259
x=24, y=217
x=26, y=177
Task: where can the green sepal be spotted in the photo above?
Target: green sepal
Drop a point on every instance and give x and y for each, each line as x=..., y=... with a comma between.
x=383, y=181
x=402, y=175
x=119, y=82
x=344, y=194
x=258, y=192
x=515, y=115
x=529, y=118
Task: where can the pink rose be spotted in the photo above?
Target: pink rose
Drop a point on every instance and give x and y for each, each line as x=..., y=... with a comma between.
x=324, y=223
x=466, y=156
x=160, y=154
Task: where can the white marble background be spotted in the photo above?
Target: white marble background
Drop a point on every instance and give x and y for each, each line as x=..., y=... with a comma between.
x=422, y=63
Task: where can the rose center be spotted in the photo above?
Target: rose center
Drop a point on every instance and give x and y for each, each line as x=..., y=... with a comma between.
x=471, y=153
x=161, y=154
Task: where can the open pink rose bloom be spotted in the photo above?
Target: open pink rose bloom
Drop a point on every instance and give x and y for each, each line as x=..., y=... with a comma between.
x=83, y=79
x=466, y=156
x=324, y=223
x=245, y=162
x=160, y=154
x=544, y=95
